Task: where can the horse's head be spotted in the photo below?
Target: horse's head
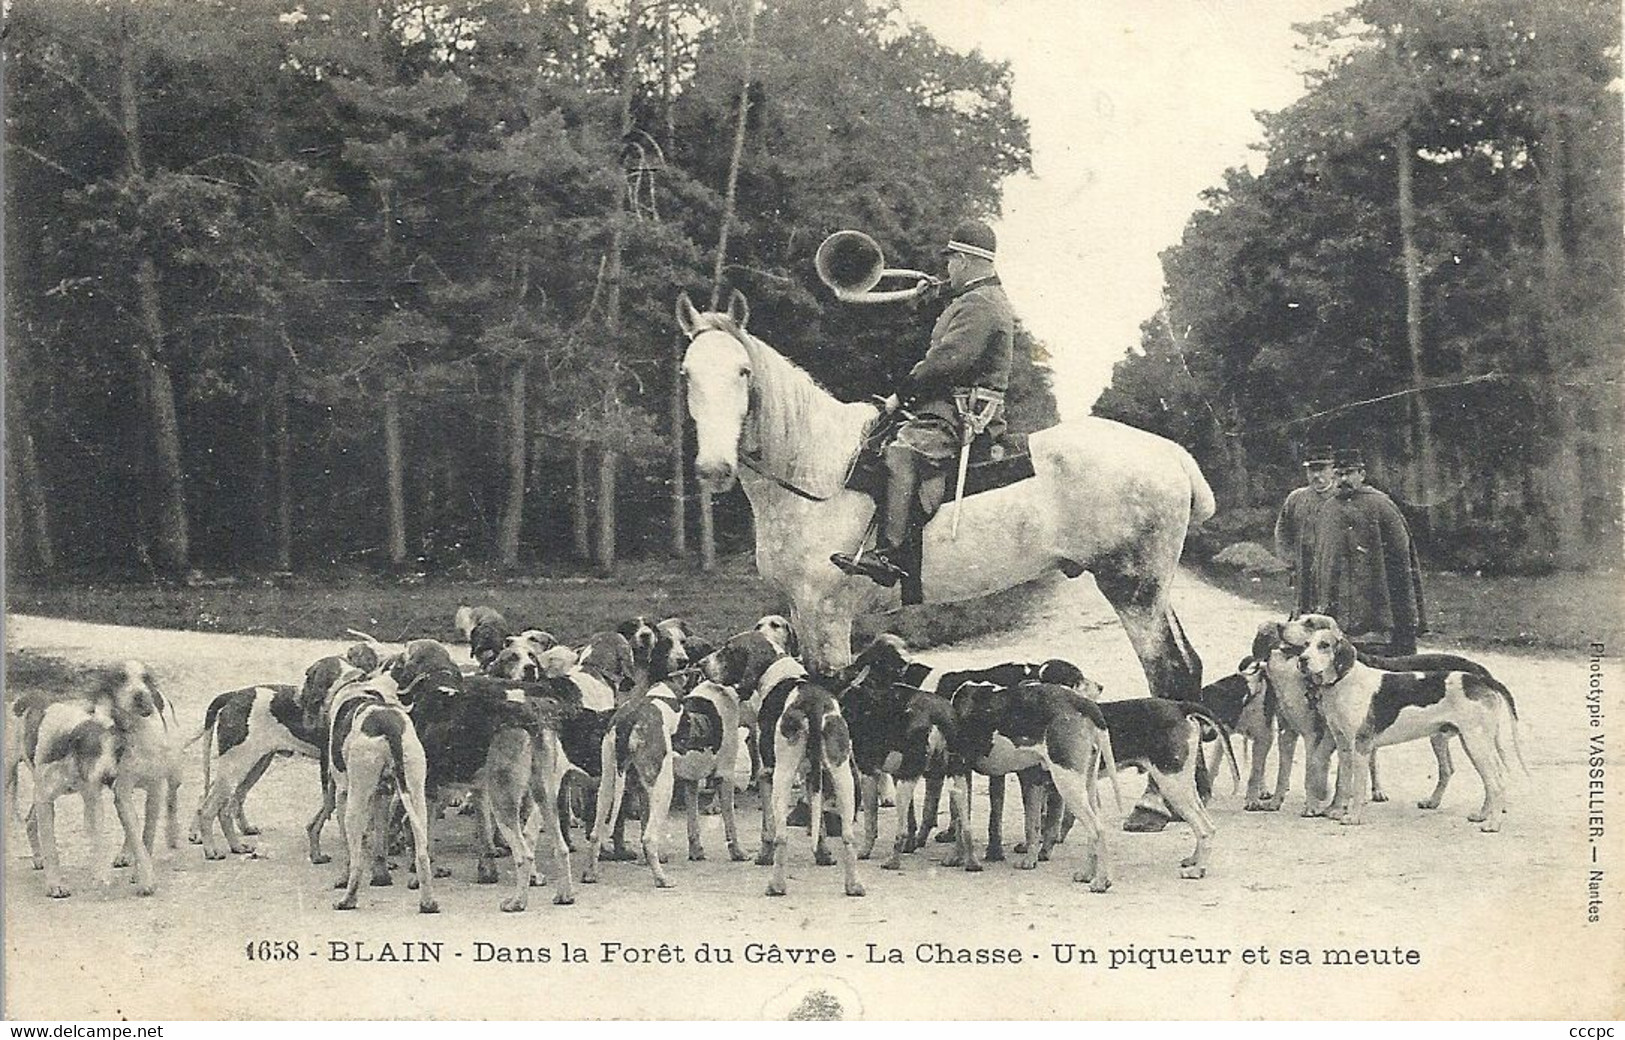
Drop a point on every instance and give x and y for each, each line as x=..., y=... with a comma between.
x=717, y=369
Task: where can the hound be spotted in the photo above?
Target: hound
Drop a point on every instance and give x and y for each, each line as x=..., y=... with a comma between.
x=1163, y=738
x=1274, y=660
x=509, y=653
x=246, y=730
x=68, y=746
x=466, y=619
x=639, y=744
x=810, y=733
x=491, y=738
x=763, y=677
x=372, y=753
x=1032, y=729
x=777, y=628
x=1244, y=704
x=1366, y=708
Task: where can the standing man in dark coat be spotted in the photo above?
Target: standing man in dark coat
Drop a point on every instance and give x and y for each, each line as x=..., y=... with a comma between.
x=969, y=358
x=1294, y=526
x=1365, y=572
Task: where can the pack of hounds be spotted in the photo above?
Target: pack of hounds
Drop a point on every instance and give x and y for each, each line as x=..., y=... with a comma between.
x=533, y=732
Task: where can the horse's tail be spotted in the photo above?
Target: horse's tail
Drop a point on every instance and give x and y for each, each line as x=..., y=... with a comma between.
x=1203, y=504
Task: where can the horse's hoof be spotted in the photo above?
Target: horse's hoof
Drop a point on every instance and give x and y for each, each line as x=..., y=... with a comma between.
x=855, y=889
x=995, y=853
x=429, y=906
x=824, y=858
x=1193, y=873
x=320, y=858
x=764, y=858
x=973, y=867
x=1476, y=817
x=1145, y=821
x=514, y=904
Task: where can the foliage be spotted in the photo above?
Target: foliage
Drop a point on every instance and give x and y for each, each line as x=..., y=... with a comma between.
x=341, y=199
x=1285, y=317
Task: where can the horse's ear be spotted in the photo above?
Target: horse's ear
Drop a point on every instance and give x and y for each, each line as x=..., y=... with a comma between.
x=687, y=317
x=739, y=309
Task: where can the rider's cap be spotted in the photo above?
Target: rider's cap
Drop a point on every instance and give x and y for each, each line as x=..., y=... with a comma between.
x=973, y=238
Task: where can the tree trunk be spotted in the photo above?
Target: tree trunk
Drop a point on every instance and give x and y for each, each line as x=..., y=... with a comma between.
x=1426, y=474
x=581, y=514
x=27, y=516
x=395, y=467
x=30, y=496
x=513, y=510
x=606, y=517
x=1563, y=485
x=282, y=475
x=708, y=547
x=174, y=536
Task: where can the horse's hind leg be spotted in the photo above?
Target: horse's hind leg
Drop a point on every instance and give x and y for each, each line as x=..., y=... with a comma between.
x=1172, y=667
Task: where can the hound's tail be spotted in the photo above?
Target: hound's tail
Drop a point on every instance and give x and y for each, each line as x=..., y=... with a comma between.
x=1207, y=723
x=798, y=720
x=1511, y=725
x=1108, y=758
x=1203, y=505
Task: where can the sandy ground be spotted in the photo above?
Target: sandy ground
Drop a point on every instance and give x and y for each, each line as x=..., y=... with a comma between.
x=1497, y=922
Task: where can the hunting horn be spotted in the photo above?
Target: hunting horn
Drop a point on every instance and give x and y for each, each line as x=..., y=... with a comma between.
x=851, y=263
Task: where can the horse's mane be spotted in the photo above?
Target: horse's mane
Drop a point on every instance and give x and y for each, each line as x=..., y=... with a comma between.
x=807, y=434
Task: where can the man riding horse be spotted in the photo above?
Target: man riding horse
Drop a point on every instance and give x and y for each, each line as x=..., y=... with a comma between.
x=955, y=393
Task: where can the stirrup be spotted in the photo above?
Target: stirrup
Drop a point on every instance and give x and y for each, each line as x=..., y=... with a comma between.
x=872, y=565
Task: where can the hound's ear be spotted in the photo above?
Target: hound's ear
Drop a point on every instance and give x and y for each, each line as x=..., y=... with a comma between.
x=1344, y=658
x=688, y=319
x=792, y=643
x=739, y=309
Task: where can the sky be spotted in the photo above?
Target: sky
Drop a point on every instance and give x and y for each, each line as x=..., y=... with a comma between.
x=1135, y=107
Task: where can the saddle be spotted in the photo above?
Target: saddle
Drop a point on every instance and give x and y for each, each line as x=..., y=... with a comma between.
x=994, y=463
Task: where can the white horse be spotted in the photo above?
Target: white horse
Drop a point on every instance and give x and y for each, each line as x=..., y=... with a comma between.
x=1106, y=498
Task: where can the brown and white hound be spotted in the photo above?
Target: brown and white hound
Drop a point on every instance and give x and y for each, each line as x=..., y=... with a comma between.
x=1365, y=708
x=119, y=733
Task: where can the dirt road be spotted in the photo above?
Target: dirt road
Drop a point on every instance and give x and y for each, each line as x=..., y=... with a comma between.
x=1497, y=922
